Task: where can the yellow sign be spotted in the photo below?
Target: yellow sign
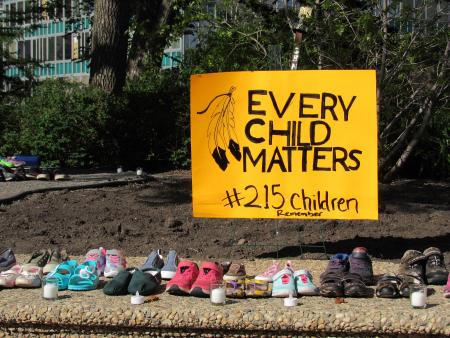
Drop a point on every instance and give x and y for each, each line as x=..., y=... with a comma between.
x=285, y=144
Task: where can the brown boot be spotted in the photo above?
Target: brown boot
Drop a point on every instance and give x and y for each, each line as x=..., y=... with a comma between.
x=413, y=264
x=435, y=269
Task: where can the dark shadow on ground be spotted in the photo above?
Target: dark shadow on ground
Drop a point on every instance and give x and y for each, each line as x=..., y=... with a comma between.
x=176, y=191
x=383, y=248
x=418, y=191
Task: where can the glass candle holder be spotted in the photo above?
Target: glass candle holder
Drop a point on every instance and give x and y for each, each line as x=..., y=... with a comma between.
x=418, y=296
x=50, y=288
x=218, y=294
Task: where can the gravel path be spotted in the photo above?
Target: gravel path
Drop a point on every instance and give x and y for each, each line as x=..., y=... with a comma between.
x=13, y=190
x=25, y=312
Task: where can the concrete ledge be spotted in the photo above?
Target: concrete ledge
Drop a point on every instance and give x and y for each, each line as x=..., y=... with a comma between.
x=94, y=313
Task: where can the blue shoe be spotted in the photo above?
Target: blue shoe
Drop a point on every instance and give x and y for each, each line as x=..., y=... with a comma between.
x=154, y=261
x=338, y=264
x=170, y=268
x=304, y=283
x=85, y=277
x=63, y=272
x=284, y=284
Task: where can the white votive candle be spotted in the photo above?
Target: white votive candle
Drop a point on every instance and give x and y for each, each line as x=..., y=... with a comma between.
x=218, y=295
x=137, y=299
x=418, y=299
x=418, y=296
x=50, y=291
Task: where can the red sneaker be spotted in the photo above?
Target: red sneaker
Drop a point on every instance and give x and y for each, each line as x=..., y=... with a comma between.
x=210, y=273
x=185, y=276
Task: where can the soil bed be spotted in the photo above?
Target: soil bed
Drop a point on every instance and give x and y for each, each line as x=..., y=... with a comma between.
x=158, y=214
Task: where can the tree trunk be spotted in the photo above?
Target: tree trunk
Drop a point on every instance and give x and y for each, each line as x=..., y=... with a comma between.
x=411, y=145
x=152, y=16
x=109, y=44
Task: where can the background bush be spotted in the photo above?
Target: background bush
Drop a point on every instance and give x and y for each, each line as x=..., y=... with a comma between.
x=67, y=124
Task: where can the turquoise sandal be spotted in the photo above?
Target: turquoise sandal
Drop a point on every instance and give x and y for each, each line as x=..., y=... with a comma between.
x=63, y=272
x=85, y=277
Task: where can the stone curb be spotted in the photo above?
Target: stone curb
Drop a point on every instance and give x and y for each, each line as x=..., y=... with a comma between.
x=94, y=313
x=272, y=322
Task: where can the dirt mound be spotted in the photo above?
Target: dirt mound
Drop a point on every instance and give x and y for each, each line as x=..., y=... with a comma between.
x=158, y=214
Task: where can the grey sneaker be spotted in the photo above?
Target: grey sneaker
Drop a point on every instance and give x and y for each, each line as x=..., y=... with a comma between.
x=170, y=268
x=154, y=261
x=7, y=259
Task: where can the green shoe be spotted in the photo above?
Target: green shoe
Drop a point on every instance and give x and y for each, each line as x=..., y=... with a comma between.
x=145, y=282
x=118, y=286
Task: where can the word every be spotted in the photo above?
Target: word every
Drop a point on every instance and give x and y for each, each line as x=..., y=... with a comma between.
x=321, y=104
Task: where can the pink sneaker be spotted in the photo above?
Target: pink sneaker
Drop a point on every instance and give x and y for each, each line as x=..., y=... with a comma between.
x=269, y=273
x=447, y=288
x=115, y=262
x=210, y=273
x=98, y=255
x=185, y=276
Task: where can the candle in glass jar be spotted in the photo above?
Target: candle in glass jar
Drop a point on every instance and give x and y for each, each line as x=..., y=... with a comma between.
x=218, y=295
x=418, y=295
x=50, y=291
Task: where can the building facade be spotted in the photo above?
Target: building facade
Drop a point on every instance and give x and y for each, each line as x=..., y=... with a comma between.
x=54, y=38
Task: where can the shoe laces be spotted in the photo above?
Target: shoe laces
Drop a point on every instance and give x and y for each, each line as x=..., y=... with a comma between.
x=336, y=263
x=289, y=265
x=114, y=259
x=435, y=260
x=92, y=256
x=271, y=270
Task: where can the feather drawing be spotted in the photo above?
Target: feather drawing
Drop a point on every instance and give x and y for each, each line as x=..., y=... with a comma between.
x=221, y=131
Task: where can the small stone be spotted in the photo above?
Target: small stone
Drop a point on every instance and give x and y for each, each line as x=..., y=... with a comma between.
x=171, y=222
x=242, y=241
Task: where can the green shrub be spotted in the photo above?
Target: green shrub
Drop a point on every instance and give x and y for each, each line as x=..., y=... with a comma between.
x=67, y=124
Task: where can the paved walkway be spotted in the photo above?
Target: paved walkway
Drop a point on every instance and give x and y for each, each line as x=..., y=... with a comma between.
x=25, y=312
x=14, y=190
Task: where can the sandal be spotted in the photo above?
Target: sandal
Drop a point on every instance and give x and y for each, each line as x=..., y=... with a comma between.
x=388, y=286
x=63, y=272
x=355, y=287
x=331, y=285
x=235, y=288
x=407, y=280
x=257, y=288
x=38, y=258
x=85, y=277
x=55, y=257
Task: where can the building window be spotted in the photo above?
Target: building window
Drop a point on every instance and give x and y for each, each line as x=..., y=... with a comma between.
x=12, y=15
x=68, y=8
x=44, y=49
x=67, y=47
x=20, y=49
x=59, y=48
x=27, y=49
x=51, y=49
x=20, y=12
x=34, y=51
x=176, y=59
